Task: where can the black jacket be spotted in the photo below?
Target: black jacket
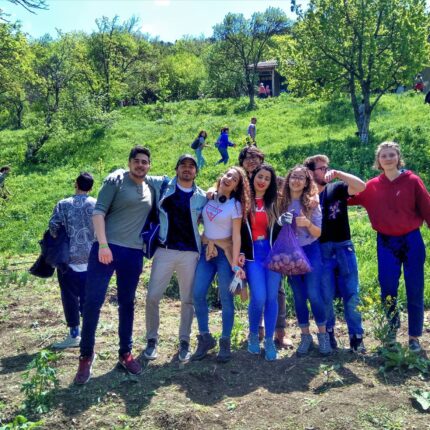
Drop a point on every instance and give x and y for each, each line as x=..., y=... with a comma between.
x=247, y=245
x=54, y=254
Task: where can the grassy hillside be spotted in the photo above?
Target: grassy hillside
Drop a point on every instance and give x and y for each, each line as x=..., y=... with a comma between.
x=288, y=131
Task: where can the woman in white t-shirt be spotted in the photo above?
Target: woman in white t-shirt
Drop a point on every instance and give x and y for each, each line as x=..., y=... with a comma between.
x=222, y=220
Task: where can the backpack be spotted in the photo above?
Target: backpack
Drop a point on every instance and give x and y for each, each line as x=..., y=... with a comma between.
x=195, y=144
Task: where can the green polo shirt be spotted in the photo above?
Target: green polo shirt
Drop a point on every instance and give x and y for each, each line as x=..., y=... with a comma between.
x=125, y=206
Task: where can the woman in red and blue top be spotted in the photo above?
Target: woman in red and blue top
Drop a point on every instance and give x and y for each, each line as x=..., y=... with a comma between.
x=258, y=234
x=397, y=203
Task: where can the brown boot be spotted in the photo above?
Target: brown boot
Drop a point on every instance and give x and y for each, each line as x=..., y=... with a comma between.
x=281, y=340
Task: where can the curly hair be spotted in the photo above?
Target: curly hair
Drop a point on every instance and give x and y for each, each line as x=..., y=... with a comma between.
x=242, y=193
x=270, y=196
x=309, y=191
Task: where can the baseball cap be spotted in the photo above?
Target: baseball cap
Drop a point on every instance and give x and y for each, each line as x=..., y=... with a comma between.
x=184, y=157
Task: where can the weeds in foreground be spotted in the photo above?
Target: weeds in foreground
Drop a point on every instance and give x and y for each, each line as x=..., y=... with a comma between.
x=400, y=358
x=422, y=397
x=21, y=423
x=40, y=379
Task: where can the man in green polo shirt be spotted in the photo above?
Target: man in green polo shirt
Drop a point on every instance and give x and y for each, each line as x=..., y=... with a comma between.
x=123, y=204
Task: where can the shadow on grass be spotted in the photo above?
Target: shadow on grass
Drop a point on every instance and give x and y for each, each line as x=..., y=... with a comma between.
x=16, y=363
x=205, y=383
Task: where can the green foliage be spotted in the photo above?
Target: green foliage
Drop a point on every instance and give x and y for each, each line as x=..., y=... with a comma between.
x=358, y=47
x=40, y=379
x=243, y=42
x=401, y=358
x=21, y=423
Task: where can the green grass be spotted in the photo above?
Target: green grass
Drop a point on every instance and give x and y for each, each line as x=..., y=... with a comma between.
x=288, y=131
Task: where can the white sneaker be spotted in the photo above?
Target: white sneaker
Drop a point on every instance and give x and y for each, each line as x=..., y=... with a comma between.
x=68, y=342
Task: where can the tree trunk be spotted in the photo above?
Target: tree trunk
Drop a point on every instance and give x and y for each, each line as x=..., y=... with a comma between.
x=251, y=95
x=363, y=131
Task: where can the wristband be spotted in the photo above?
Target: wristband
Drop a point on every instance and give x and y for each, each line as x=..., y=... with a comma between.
x=236, y=268
x=103, y=246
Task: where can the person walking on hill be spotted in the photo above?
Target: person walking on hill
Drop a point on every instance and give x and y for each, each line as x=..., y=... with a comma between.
x=4, y=172
x=398, y=203
x=123, y=204
x=180, y=207
x=252, y=132
x=198, y=145
x=74, y=214
x=337, y=250
x=223, y=143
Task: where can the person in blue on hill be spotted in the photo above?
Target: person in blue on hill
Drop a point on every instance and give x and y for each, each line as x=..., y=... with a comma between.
x=222, y=144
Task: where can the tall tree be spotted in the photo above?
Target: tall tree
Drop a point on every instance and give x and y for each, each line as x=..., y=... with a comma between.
x=244, y=41
x=114, y=51
x=363, y=47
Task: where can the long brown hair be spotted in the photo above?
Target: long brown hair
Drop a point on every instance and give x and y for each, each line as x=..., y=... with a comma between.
x=309, y=191
x=242, y=193
x=270, y=196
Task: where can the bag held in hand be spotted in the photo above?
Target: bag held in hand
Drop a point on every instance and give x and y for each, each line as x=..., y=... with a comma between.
x=287, y=256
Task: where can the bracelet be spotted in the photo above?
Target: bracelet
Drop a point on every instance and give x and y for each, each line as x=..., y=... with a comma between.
x=103, y=246
x=236, y=268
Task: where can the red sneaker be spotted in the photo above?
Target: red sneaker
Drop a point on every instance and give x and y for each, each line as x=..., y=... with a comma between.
x=83, y=374
x=130, y=364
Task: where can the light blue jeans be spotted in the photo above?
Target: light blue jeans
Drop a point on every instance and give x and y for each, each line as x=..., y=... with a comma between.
x=263, y=286
x=340, y=269
x=200, y=159
x=205, y=273
x=308, y=287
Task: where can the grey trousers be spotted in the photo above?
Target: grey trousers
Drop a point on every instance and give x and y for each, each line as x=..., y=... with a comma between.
x=164, y=263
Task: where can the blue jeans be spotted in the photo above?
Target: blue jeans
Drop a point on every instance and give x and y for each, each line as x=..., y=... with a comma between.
x=200, y=159
x=393, y=252
x=340, y=269
x=224, y=155
x=205, y=273
x=128, y=265
x=72, y=286
x=308, y=287
x=263, y=286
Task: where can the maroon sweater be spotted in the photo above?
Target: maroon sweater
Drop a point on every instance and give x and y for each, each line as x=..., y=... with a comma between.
x=395, y=207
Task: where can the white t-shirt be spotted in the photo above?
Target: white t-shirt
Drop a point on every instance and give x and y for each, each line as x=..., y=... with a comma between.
x=217, y=218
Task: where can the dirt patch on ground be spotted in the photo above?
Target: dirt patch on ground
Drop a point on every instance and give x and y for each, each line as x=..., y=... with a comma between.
x=343, y=391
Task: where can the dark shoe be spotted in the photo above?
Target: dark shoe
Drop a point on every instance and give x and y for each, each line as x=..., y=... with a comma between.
x=324, y=344
x=150, y=352
x=306, y=344
x=184, y=351
x=281, y=340
x=205, y=342
x=130, y=364
x=414, y=345
x=83, y=374
x=333, y=341
x=224, y=353
x=356, y=344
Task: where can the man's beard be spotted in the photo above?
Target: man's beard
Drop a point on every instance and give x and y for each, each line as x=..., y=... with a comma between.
x=321, y=182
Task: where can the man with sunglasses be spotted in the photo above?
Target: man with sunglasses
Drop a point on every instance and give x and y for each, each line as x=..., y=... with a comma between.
x=123, y=204
x=340, y=270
